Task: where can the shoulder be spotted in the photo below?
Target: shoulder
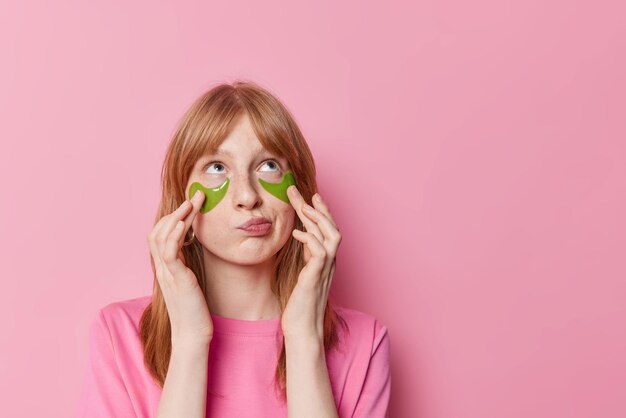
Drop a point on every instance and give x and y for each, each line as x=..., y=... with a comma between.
x=117, y=367
x=360, y=370
x=123, y=316
x=130, y=307
x=361, y=329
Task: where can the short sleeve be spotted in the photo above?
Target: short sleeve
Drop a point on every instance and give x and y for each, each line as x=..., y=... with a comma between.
x=104, y=394
x=373, y=401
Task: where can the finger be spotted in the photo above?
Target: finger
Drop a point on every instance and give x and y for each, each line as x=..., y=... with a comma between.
x=318, y=252
x=155, y=259
x=178, y=213
x=174, y=217
x=297, y=201
x=160, y=269
x=171, y=249
x=331, y=273
x=196, y=201
x=320, y=205
x=332, y=237
x=153, y=241
x=168, y=223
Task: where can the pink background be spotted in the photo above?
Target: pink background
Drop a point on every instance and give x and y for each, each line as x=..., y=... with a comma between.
x=472, y=154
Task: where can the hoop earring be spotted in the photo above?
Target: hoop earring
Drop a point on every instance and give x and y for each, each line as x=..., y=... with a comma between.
x=193, y=235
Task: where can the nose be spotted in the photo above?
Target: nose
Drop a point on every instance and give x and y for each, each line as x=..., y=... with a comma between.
x=245, y=191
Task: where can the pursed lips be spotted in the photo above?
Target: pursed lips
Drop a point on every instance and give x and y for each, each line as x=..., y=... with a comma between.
x=255, y=221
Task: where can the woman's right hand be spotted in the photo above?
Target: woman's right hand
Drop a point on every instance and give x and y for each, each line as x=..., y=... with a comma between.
x=190, y=319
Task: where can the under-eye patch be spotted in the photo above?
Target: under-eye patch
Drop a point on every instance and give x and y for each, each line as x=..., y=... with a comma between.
x=280, y=189
x=213, y=196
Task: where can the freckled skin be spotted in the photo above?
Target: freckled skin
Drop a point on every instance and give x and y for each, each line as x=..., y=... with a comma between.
x=215, y=195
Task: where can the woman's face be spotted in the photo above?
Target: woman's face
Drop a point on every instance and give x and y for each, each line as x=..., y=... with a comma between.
x=242, y=159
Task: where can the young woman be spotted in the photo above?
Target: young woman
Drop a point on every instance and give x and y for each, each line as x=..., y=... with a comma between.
x=239, y=323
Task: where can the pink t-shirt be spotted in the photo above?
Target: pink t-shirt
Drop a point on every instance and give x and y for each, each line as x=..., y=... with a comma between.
x=242, y=362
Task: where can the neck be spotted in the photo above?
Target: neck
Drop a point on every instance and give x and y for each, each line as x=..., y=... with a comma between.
x=240, y=291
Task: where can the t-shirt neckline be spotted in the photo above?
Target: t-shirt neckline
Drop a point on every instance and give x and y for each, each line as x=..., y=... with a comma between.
x=225, y=325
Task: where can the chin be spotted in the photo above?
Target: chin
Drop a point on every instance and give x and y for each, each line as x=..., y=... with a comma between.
x=251, y=260
x=245, y=256
x=250, y=252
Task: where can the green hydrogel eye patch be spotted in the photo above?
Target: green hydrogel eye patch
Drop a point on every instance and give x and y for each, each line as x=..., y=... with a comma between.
x=280, y=189
x=213, y=196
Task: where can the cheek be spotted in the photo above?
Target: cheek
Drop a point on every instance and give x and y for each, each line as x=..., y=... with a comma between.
x=289, y=219
x=213, y=224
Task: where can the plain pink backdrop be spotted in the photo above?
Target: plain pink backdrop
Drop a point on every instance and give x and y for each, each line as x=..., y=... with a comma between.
x=472, y=154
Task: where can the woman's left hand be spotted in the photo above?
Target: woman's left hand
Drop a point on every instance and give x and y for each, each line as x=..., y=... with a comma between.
x=303, y=317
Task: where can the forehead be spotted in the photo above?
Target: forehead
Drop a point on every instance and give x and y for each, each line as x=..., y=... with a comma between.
x=241, y=143
x=227, y=152
x=232, y=153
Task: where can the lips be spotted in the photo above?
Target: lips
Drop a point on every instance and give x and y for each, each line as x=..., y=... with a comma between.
x=259, y=220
